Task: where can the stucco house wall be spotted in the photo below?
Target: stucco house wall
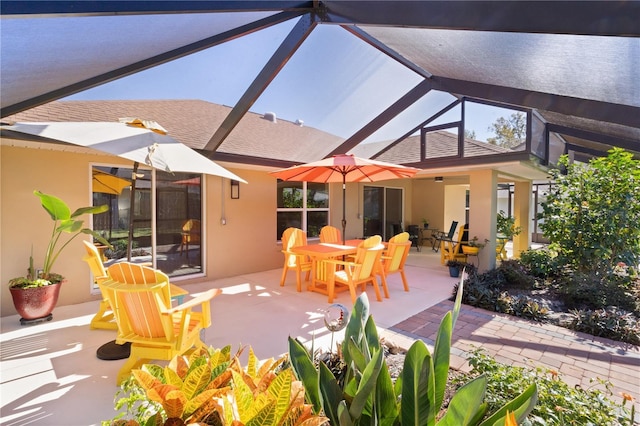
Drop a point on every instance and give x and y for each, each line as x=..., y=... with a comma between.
x=245, y=243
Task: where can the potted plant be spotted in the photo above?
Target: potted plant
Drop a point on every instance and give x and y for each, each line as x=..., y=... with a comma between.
x=425, y=223
x=455, y=266
x=473, y=246
x=36, y=294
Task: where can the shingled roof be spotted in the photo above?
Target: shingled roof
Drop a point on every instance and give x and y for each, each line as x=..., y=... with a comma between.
x=192, y=122
x=440, y=144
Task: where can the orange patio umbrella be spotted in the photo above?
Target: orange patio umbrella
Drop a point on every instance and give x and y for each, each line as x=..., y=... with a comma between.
x=345, y=168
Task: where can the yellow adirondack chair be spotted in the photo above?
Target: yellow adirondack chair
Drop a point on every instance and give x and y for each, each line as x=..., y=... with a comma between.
x=294, y=237
x=452, y=250
x=104, y=319
x=394, y=258
x=336, y=275
x=141, y=300
x=330, y=234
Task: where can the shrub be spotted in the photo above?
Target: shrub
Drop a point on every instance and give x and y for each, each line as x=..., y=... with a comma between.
x=487, y=291
x=611, y=323
x=516, y=275
x=589, y=290
x=369, y=397
x=592, y=213
x=558, y=403
x=522, y=306
x=539, y=263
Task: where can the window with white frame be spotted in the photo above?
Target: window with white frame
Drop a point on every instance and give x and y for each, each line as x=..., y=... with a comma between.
x=303, y=205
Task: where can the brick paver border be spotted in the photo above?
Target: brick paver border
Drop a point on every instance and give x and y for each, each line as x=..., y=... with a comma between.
x=577, y=357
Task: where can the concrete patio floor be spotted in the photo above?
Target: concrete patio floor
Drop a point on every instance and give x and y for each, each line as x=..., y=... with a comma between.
x=51, y=376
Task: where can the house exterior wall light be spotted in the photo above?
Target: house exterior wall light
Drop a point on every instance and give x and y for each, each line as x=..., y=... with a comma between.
x=235, y=189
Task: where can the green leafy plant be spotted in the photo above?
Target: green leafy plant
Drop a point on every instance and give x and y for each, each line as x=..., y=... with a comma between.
x=368, y=396
x=64, y=222
x=558, y=402
x=474, y=242
x=540, y=263
x=591, y=215
x=211, y=387
x=506, y=225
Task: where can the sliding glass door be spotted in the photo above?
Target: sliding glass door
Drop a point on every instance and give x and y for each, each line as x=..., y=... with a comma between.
x=383, y=211
x=167, y=233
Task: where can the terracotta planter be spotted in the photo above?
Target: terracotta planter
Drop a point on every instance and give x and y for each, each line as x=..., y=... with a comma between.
x=470, y=250
x=35, y=303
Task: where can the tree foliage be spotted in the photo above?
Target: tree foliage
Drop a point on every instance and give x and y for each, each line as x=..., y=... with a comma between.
x=469, y=134
x=592, y=215
x=510, y=132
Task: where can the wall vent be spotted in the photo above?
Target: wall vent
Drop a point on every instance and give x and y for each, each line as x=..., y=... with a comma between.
x=270, y=116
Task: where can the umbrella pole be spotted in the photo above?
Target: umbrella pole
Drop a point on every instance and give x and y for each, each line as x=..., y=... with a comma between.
x=344, y=207
x=131, y=207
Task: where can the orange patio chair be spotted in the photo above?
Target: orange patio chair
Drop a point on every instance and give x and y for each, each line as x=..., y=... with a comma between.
x=330, y=234
x=336, y=275
x=141, y=300
x=394, y=258
x=294, y=237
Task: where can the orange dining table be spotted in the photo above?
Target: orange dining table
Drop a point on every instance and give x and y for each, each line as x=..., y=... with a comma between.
x=323, y=251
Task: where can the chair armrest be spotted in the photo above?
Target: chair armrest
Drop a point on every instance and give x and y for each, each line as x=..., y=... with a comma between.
x=198, y=300
x=338, y=262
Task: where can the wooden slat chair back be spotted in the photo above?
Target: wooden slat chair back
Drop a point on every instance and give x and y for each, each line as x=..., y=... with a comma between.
x=394, y=258
x=330, y=234
x=452, y=250
x=103, y=319
x=294, y=237
x=141, y=301
x=337, y=275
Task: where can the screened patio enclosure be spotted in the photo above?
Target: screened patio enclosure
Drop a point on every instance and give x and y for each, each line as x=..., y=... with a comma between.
x=371, y=73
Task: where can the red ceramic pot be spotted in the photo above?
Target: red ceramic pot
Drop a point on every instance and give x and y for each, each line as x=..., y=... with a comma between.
x=35, y=303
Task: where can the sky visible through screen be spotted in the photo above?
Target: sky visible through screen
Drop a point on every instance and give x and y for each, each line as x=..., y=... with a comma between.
x=334, y=82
